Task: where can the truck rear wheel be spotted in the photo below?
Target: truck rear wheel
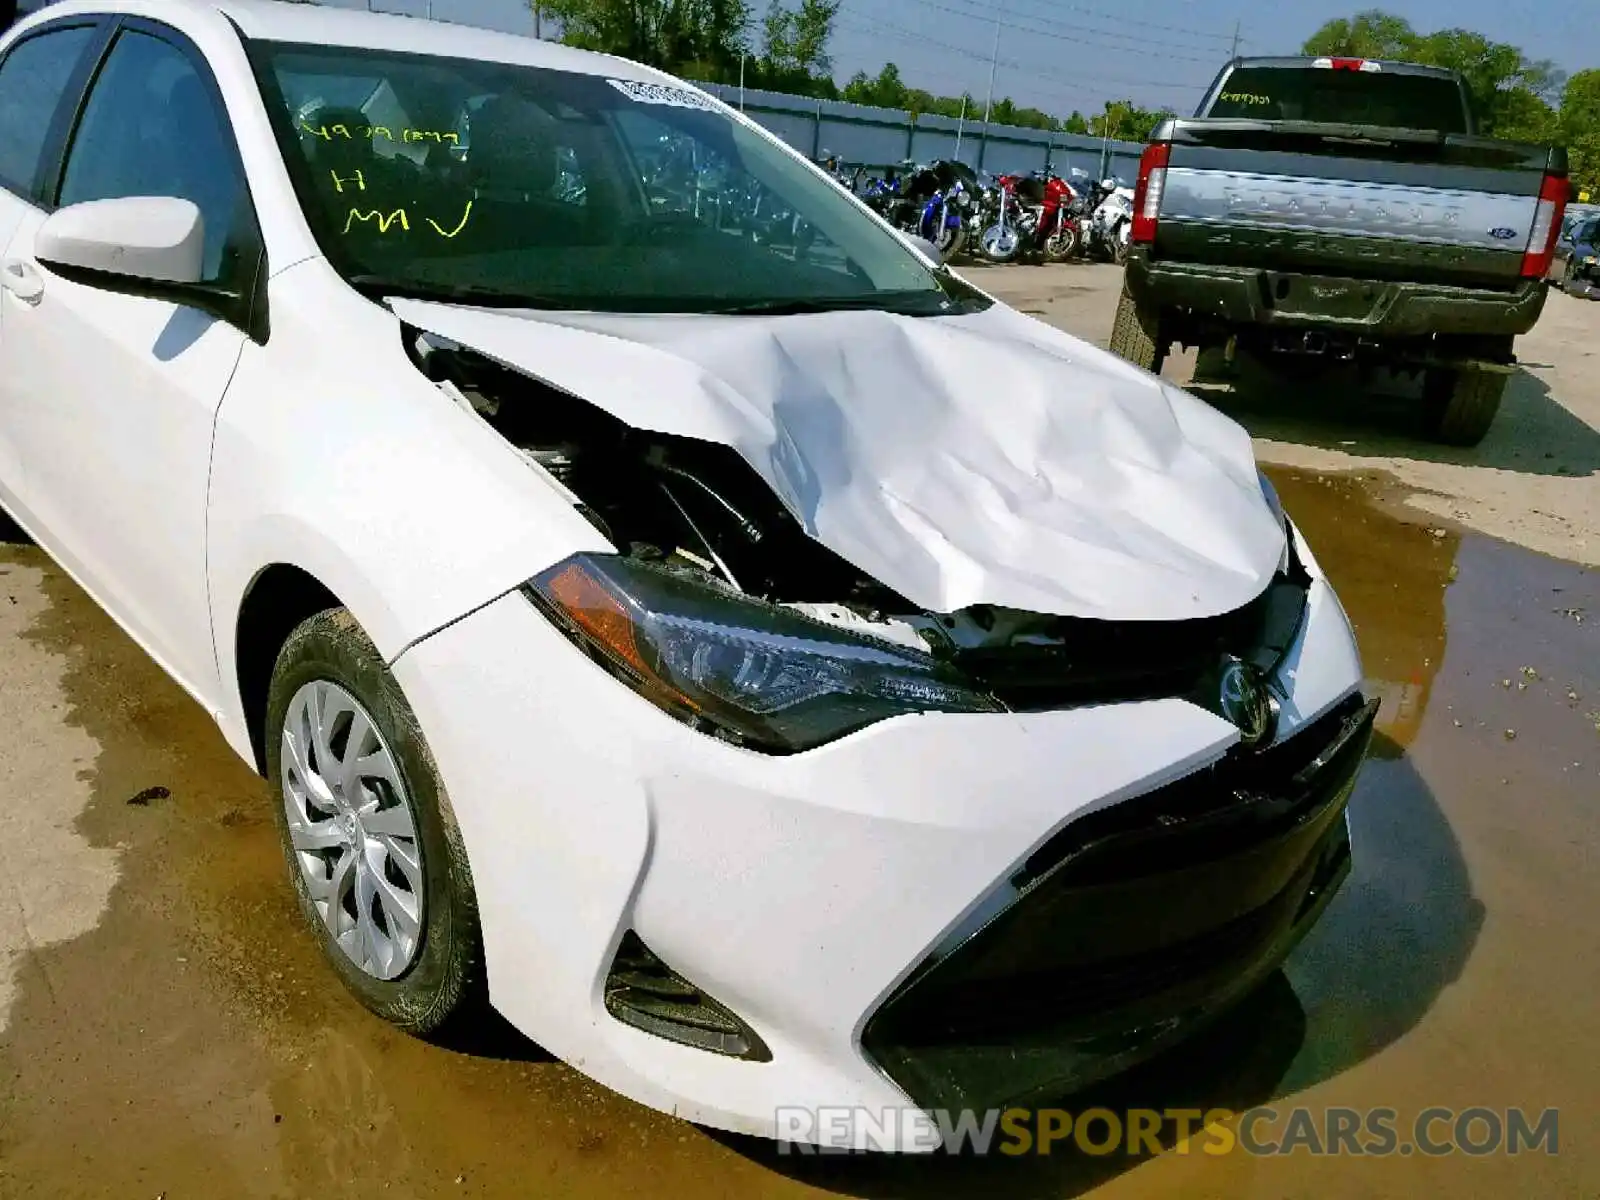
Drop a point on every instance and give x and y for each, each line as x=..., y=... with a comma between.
x=1136, y=335
x=1461, y=404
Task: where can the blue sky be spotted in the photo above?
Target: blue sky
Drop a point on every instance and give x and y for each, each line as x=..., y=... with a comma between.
x=1059, y=56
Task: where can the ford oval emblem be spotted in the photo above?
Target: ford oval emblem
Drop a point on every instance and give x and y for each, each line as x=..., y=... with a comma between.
x=1503, y=234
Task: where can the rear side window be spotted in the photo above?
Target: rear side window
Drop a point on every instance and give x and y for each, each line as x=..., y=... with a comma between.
x=1342, y=98
x=33, y=78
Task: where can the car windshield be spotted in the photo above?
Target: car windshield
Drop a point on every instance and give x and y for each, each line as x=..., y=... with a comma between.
x=1338, y=97
x=497, y=183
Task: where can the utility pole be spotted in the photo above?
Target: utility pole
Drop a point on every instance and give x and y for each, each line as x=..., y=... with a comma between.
x=742, y=57
x=1235, y=52
x=537, y=32
x=961, y=125
x=994, y=64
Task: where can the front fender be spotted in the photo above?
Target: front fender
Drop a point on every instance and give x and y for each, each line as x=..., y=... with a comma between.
x=335, y=455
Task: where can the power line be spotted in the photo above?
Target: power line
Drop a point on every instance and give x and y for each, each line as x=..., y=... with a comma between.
x=877, y=26
x=1078, y=34
x=1144, y=24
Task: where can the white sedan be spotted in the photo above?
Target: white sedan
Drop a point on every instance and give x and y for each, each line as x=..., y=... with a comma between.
x=770, y=672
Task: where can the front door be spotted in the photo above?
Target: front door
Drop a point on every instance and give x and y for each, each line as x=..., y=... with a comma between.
x=114, y=396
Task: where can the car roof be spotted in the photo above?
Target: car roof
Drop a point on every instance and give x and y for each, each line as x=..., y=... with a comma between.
x=319, y=24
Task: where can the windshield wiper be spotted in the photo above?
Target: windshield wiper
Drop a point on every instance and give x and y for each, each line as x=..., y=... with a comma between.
x=905, y=304
x=379, y=286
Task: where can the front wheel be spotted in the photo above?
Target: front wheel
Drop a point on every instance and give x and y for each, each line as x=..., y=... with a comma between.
x=374, y=852
x=1062, y=244
x=1136, y=335
x=1460, y=405
x=1000, y=243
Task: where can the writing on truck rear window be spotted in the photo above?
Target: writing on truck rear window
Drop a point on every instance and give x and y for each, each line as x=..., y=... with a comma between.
x=1323, y=96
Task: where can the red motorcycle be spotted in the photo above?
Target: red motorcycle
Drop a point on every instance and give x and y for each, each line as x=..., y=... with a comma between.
x=1047, y=215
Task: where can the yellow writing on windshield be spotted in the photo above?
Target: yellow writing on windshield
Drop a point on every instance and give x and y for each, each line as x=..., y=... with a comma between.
x=460, y=225
x=400, y=219
x=341, y=131
x=357, y=178
x=1245, y=98
x=384, y=222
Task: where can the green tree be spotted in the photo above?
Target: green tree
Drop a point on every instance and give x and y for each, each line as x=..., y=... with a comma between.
x=888, y=90
x=1580, y=129
x=703, y=38
x=1510, y=91
x=1124, y=120
x=1369, y=34
x=794, y=48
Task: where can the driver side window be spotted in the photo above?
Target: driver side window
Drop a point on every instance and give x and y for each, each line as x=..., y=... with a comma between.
x=151, y=127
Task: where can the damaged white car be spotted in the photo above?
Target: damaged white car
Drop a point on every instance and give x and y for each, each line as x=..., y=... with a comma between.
x=771, y=672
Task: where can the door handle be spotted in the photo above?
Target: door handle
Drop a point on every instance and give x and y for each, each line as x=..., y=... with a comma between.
x=22, y=280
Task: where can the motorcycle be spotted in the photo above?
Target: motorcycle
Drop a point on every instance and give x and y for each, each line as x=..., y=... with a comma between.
x=1000, y=220
x=1033, y=215
x=1109, y=229
x=936, y=203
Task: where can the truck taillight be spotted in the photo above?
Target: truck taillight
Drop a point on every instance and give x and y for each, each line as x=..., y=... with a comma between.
x=1540, y=253
x=1147, y=195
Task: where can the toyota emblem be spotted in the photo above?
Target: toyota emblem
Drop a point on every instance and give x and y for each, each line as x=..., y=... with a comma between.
x=1246, y=701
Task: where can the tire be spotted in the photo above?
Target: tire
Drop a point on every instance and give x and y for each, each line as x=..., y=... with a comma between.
x=1460, y=405
x=1120, y=245
x=951, y=240
x=1000, y=245
x=443, y=971
x=1062, y=244
x=1136, y=335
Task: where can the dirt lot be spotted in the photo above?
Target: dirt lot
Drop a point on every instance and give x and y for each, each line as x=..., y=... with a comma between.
x=166, y=1029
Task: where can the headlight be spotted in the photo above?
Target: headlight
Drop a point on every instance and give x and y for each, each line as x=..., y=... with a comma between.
x=748, y=671
x=1589, y=260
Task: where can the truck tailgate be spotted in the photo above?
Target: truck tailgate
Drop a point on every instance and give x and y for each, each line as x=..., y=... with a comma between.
x=1350, y=200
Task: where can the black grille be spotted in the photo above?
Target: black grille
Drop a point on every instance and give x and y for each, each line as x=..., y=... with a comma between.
x=644, y=992
x=1107, y=662
x=1132, y=926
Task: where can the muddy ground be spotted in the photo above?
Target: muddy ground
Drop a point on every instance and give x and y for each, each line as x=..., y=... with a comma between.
x=167, y=1029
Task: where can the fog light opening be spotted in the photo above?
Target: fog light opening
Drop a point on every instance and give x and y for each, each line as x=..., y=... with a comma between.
x=642, y=991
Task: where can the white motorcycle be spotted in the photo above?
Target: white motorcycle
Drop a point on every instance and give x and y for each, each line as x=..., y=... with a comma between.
x=1110, y=227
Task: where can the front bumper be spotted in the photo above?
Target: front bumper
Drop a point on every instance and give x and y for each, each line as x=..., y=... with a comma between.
x=799, y=892
x=1132, y=928
x=1237, y=297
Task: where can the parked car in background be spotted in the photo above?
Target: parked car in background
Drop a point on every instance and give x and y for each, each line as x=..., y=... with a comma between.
x=1345, y=209
x=1577, y=259
x=1576, y=214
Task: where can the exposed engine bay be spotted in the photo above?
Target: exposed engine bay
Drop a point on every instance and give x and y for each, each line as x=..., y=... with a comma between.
x=697, y=508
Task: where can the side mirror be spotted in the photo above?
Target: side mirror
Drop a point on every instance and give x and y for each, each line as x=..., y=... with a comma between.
x=924, y=247
x=151, y=239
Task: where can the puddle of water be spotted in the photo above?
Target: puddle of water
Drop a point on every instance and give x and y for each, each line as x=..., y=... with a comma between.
x=194, y=1043
x=53, y=884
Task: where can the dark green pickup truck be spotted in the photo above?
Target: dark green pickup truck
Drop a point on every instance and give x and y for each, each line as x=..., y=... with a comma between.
x=1325, y=209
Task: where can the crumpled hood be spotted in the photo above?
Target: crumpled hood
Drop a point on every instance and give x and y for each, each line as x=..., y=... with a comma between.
x=984, y=458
